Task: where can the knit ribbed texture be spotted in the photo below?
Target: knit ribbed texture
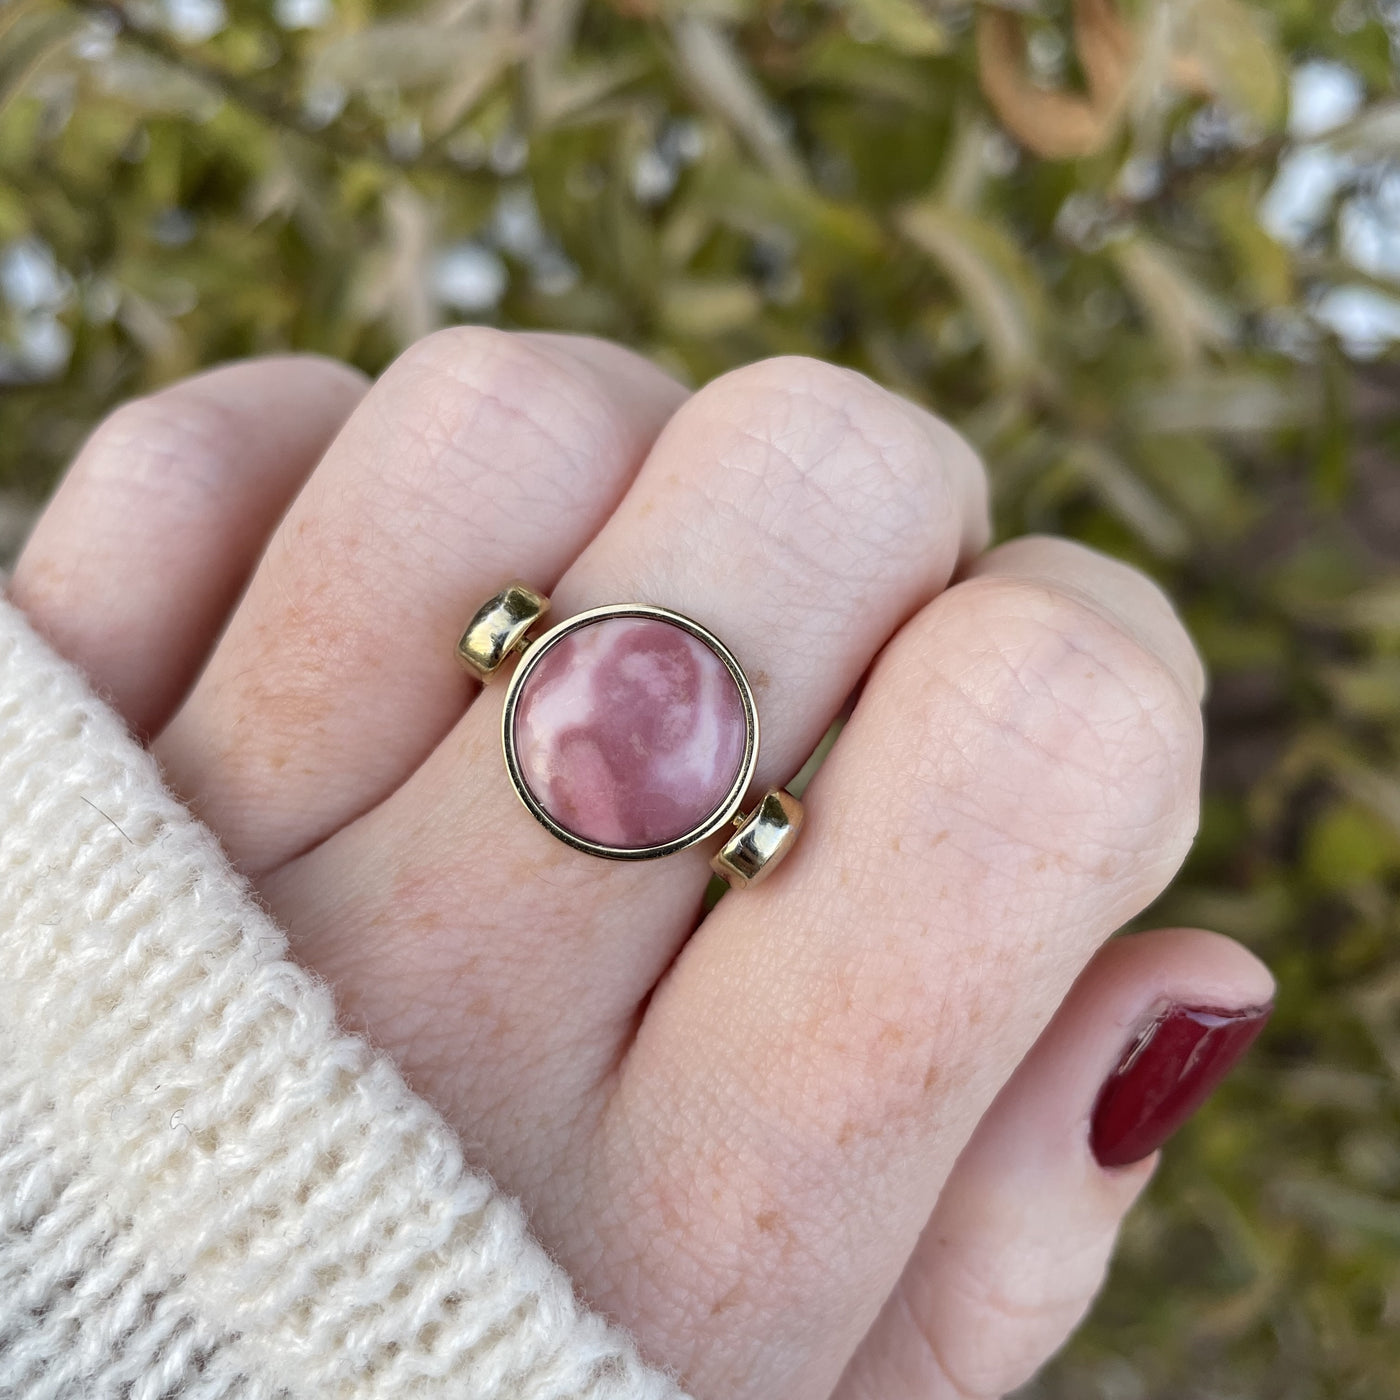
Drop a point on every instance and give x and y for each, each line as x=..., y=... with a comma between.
x=207, y=1188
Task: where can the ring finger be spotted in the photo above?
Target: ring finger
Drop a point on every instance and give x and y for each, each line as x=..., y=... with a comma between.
x=802, y=514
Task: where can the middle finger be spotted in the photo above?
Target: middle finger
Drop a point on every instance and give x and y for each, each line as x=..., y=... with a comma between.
x=802, y=514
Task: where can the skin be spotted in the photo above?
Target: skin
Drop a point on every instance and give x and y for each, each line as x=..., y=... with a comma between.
x=832, y=1140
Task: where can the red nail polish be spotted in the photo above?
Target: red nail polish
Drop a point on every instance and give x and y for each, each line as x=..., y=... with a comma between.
x=1165, y=1075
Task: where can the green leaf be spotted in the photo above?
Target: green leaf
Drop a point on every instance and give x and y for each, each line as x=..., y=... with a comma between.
x=990, y=274
x=1374, y=607
x=836, y=60
x=714, y=67
x=1260, y=262
x=1369, y=689
x=403, y=54
x=1347, y=843
x=151, y=85
x=1186, y=318
x=748, y=199
x=1237, y=401
x=1236, y=46
x=1129, y=498
x=30, y=42
x=697, y=309
x=903, y=25
x=1338, y=1208
x=1332, y=461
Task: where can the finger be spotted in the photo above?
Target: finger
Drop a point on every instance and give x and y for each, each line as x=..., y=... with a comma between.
x=1019, y=1241
x=800, y=512
x=478, y=456
x=134, y=565
x=1019, y=777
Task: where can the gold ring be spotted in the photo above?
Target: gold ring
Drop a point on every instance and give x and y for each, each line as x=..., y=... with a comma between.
x=630, y=732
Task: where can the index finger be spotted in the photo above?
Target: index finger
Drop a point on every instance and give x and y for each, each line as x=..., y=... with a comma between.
x=132, y=568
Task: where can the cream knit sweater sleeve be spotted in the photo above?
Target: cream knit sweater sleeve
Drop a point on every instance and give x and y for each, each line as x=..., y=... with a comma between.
x=208, y=1189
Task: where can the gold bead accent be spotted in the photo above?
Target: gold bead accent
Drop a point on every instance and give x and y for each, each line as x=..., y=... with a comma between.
x=499, y=629
x=764, y=837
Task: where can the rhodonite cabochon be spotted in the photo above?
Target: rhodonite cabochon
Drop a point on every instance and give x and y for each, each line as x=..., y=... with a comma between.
x=629, y=732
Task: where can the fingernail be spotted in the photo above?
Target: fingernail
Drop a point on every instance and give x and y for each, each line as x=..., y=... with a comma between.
x=1165, y=1075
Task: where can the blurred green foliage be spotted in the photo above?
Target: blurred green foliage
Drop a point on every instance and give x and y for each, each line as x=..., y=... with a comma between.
x=1154, y=352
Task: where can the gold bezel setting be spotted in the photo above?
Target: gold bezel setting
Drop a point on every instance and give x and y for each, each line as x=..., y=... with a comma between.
x=537, y=650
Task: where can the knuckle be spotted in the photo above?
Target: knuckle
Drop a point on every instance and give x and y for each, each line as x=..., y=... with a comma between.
x=801, y=376
x=1085, y=728
x=171, y=447
x=855, y=467
x=461, y=352
x=468, y=390
x=1118, y=588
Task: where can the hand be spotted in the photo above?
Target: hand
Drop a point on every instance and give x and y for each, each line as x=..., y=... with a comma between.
x=839, y=1137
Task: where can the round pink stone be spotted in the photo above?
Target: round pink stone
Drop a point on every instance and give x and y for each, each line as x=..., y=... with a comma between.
x=629, y=732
